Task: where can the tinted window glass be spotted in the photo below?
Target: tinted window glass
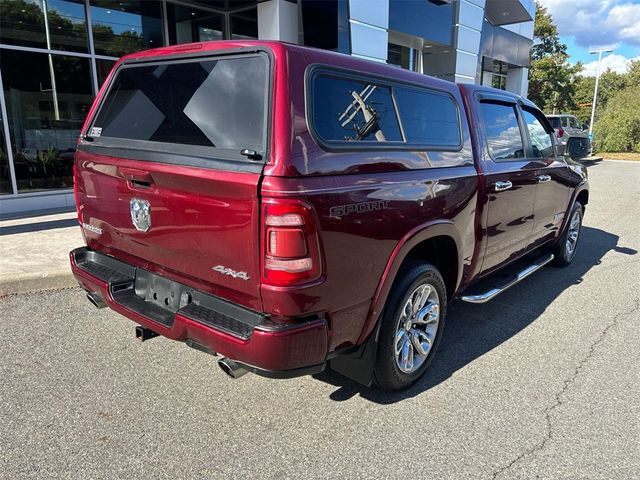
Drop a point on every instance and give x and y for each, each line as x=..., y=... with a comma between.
x=354, y=111
x=213, y=103
x=565, y=122
x=573, y=122
x=428, y=118
x=541, y=142
x=500, y=123
x=555, y=122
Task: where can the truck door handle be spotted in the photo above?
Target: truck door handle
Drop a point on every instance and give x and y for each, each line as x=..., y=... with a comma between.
x=544, y=178
x=501, y=186
x=139, y=178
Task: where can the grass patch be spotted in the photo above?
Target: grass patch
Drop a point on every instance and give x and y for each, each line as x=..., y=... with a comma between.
x=619, y=156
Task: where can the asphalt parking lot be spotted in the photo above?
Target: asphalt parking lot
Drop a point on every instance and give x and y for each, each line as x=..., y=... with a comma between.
x=543, y=382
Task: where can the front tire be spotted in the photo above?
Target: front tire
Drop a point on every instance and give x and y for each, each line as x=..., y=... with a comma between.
x=565, y=250
x=412, y=324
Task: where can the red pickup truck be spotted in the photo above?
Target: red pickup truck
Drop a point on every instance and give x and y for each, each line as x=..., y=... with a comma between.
x=293, y=209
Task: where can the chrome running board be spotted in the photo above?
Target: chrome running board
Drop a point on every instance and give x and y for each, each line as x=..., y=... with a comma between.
x=497, y=290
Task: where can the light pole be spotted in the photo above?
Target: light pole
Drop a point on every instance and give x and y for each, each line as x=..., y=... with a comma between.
x=599, y=51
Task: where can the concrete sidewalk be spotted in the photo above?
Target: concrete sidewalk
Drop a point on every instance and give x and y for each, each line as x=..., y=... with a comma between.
x=34, y=252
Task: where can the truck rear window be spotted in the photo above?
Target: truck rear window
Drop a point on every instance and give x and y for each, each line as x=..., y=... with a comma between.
x=555, y=122
x=217, y=103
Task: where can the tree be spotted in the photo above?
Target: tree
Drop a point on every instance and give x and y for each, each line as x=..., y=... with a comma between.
x=617, y=129
x=610, y=83
x=551, y=77
x=633, y=74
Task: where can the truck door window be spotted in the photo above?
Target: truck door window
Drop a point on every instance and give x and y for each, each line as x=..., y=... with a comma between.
x=541, y=142
x=346, y=110
x=502, y=132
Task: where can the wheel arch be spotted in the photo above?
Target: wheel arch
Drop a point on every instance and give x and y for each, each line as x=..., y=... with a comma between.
x=580, y=194
x=437, y=242
x=583, y=196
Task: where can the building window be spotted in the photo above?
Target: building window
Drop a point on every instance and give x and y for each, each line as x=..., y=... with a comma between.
x=47, y=99
x=5, y=172
x=51, y=24
x=494, y=73
x=103, y=67
x=124, y=27
x=244, y=24
x=188, y=24
x=405, y=57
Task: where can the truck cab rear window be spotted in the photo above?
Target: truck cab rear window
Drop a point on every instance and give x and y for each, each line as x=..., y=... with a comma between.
x=209, y=103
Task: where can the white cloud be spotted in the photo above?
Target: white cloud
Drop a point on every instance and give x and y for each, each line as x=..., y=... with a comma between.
x=594, y=23
x=615, y=62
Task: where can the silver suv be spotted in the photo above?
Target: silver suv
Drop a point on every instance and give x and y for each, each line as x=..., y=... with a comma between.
x=566, y=127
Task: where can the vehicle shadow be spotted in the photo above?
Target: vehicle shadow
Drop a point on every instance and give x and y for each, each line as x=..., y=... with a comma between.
x=39, y=226
x=591, y=161
x=473, y=330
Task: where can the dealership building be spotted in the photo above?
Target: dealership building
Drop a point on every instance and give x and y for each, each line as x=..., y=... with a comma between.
x=55, y=54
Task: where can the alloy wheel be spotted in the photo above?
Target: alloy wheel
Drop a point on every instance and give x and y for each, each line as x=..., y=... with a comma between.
x=417, y=328
x=573, y=234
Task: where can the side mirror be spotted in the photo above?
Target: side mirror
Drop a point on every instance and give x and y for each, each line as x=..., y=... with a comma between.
x=577, y=148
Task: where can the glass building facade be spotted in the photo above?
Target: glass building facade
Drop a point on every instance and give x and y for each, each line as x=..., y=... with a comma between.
x=55, y=55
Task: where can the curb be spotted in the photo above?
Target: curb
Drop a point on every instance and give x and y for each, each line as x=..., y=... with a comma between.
x=37, y=282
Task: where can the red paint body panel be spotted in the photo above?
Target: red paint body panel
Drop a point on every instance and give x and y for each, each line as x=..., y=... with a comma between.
x=203, y=217
x=200, y=218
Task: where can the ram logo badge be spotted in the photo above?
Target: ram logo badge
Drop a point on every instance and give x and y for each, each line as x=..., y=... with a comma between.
x=140, y=214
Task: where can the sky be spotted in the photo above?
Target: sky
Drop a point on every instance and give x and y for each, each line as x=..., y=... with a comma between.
x=587, y=24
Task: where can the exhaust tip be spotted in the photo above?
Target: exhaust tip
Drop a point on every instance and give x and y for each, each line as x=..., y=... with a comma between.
x=96, y=300
x=231, y=368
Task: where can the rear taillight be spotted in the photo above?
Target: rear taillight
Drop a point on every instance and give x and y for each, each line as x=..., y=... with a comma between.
x=291, y=250
x=560, y=132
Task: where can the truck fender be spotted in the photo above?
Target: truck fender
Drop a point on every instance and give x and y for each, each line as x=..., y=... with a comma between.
x=584, y=186
x=417, y=235
x=358, y=365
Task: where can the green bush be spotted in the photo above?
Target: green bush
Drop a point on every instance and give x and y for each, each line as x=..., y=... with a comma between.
x=618, y=127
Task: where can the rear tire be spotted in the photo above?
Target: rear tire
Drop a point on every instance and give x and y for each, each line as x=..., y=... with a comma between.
x=564, y=251
x=412, y=324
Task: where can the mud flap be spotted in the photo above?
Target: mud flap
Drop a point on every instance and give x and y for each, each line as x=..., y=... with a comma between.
x=358, y=365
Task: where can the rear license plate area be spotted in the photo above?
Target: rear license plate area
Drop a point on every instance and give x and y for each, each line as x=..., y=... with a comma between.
x=160, y=291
